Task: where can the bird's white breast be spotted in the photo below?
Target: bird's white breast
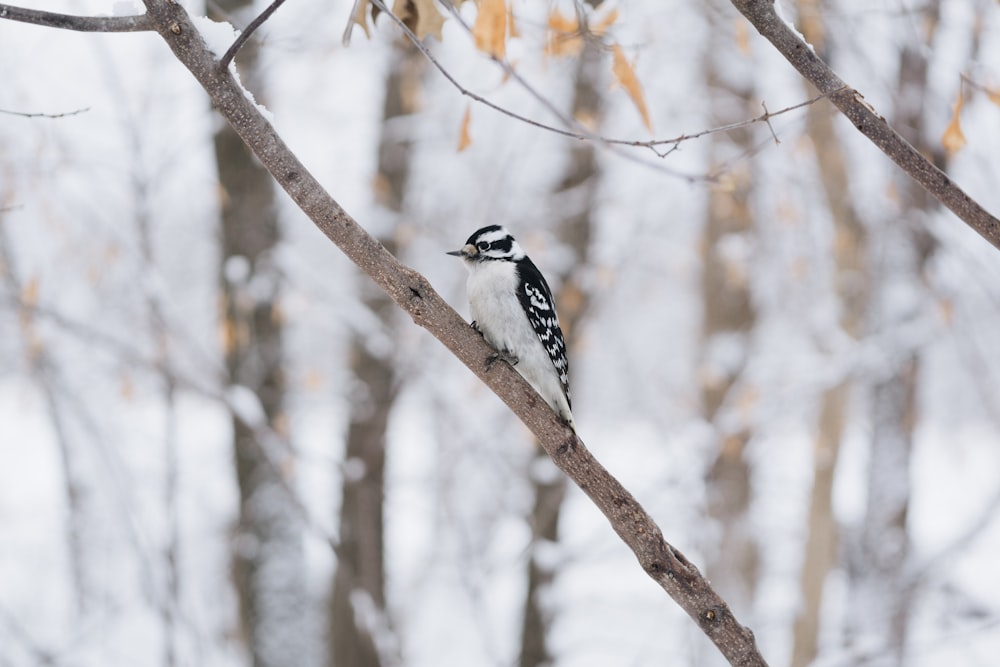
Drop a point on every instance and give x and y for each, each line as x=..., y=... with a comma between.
x=495, y=307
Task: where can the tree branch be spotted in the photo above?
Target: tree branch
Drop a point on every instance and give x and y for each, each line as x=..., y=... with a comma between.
x=41, y=114
x=762, y=14
x=572, y=128
x=138, y=23
x=249, y=30
x=414, y=294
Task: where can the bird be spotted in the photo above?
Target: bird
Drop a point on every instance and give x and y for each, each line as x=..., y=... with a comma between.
x=513, y=309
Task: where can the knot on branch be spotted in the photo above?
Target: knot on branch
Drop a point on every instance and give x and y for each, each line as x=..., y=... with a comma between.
x=712, y=616
x=568, y=445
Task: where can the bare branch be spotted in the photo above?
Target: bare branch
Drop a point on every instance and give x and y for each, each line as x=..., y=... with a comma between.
x=578, y=131
x=789, y=43
x=414, y=294
x=582, y=132
x=138, y=23
x=767, y=119
x=39, y=114
x=245, y=35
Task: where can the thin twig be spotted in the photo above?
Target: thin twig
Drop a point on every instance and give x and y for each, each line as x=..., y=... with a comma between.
x=767, y=120
x=245, y=35
x=579, y=131
x=582, y=134
x=137, y=23
x=39, y=114
x=763, y=118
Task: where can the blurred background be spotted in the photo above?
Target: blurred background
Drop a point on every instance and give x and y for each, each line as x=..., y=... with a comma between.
x=220, y=445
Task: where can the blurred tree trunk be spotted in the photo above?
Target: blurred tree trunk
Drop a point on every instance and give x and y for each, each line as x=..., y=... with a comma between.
x=360, y=577
x=267, y=550
x=877, y=580
x=728, y=319
x=575, y=197
x=81, y=515
x=851, y=282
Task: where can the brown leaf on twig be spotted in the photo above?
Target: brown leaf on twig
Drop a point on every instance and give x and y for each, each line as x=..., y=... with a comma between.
x=563, y=38
x=953, y=139
x=464, y=139
x=490, y=28
x=420, y=16
x=624, y=73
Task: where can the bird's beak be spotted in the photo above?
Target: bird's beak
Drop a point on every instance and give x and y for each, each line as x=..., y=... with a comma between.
x=467, y=251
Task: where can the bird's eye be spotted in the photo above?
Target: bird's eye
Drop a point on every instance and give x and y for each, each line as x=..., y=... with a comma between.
x=483, y=245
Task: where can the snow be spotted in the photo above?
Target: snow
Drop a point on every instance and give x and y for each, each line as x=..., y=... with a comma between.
x=219, y=36
x=127, y=8
x=245, y=404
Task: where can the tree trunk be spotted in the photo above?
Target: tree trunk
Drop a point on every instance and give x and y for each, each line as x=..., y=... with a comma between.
x=360, y=576
x=576, y=197
x=851, y=280
x=883, y=544
x=728, y=319
x=81, y=515
x=267, y=550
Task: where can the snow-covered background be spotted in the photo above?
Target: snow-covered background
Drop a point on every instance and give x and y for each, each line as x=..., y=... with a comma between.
x=111, y=209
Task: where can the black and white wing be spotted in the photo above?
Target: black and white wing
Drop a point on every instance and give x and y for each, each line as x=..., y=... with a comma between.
x=536, y=299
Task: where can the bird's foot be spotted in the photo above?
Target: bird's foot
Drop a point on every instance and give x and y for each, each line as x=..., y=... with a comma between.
x=505, y=355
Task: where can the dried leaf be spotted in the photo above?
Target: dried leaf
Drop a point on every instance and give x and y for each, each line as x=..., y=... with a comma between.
x=29, y=293
x=512, y=29
x=420, y=16
x=313, y=380
x=953, y=140
x=602, y=26
x=278, y=314
x=587, y=118
x=490, y=28
x=743, y=37
x=29, y=300
x=359, y=17
x=624, y=72
x=127, y=387
x=564, y=37
x=227, y=335
x=425, y=19
x=464, y=140
x=946, y=307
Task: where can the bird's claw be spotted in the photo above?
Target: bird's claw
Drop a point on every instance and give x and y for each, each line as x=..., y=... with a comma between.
x=506, y=355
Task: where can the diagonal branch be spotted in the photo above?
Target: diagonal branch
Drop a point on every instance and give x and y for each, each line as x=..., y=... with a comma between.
x=138, y=23
x=764, y=17
x=414, y=294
